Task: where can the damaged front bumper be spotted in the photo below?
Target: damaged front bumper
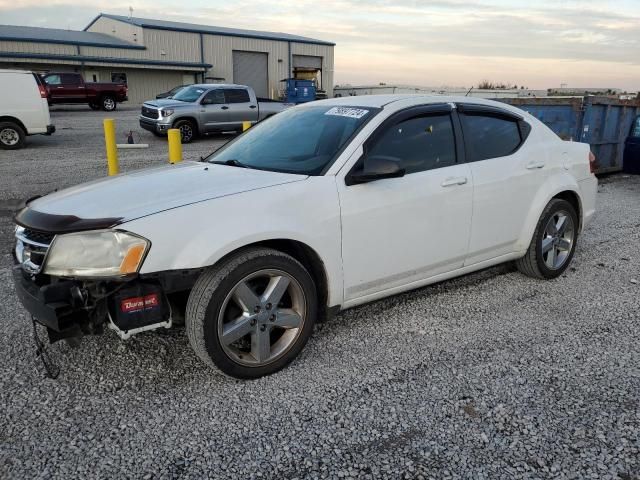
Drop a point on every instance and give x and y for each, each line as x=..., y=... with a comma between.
x=73, y=308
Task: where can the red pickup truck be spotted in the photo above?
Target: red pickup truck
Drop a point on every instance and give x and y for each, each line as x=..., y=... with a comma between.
x=71, y=88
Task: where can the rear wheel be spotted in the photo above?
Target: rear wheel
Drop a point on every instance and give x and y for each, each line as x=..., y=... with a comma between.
x=108, y=103
x=252, y=315
x=187, y=130
x=12, y=136
x=553, y=243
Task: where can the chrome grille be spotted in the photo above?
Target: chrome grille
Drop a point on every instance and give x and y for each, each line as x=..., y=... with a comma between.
x=150, y=112
x=31, y=248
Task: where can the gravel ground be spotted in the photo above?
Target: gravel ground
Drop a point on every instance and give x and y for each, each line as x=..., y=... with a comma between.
x=493, y=375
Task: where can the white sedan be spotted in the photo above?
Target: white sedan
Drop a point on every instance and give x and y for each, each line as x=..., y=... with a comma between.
x=323, y=207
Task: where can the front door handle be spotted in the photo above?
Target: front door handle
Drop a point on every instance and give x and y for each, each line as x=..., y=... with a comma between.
x=535, y=165
x=224, y=108
x=451, y=181
x=252, y=106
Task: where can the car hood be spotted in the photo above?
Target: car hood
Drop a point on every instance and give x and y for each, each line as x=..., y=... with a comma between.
x=138, y=194
x=167, y=102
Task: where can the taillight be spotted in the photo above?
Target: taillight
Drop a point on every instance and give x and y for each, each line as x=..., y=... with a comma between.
x=592, y=162
x=43, y=91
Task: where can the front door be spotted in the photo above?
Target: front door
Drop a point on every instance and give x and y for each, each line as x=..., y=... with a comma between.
x=214, y=111
x=402, y=230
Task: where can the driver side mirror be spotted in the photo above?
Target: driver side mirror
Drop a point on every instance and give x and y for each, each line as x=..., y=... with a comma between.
x=376, y=167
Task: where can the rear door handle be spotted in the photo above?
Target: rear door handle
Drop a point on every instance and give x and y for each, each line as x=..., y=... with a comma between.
x=449, y=182
x=535, y=165
x=225, y=108
x=252, y=106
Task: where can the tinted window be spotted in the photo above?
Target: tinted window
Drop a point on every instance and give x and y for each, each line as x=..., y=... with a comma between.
x=214, y=97
x=489, y=136
x=52, y=80
x=237, y=96
x=421, y=143
x=68, y=79
x=301, y=140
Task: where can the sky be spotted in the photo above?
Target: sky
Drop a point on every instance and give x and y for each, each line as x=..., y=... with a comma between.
x=535, y=43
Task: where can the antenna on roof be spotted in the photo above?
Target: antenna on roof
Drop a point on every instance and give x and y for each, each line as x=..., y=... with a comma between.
x=130, y=12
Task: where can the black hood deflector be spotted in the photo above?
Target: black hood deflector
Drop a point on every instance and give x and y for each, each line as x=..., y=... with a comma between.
x=48, y=222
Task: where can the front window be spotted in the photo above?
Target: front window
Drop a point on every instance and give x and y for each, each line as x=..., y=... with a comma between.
x=301, y=140
x=189, y=94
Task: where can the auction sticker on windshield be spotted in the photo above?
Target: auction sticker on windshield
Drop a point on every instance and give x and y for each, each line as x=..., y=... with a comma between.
x=347, y=112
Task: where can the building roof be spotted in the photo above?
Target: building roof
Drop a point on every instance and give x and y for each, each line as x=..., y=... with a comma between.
x=190, y=27
x=56, y=35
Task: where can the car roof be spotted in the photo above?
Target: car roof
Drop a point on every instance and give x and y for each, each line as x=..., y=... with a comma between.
x=380, y=101
x=216, y=85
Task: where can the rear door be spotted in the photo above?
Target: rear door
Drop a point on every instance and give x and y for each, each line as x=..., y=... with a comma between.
x=73, y=88
x=241, y=106
x=506, y=172
x=402, y=230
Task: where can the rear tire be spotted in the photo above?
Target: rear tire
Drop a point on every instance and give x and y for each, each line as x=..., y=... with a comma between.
x=242, y=320
x=187, y=130
x=12, y=136
x=553, y=243
x=108, y=103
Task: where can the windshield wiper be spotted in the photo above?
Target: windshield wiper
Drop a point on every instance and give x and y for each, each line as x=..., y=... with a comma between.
x=232, y=163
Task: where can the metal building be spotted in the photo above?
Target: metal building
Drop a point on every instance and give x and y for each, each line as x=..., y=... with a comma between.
x=153, y=56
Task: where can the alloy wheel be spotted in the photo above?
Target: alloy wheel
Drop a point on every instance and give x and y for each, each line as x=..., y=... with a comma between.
x=261, y=317
x=186, y=132
x=557, y=241
x=109, y=104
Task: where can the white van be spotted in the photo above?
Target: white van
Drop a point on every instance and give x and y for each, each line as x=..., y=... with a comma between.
x=23, y=108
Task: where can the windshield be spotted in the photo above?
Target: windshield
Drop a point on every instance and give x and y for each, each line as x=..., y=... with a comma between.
x=299, y=140
x=189, y=94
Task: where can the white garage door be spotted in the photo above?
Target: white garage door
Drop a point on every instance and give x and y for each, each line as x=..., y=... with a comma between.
x=251, y=68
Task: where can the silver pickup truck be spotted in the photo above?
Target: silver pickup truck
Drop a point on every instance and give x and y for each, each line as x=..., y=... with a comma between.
x=207, y=108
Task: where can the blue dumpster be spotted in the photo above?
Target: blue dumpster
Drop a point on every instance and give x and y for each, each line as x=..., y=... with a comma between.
x=602, y=122
x=299, y=91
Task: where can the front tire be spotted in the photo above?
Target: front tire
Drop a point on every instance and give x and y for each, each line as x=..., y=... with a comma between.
x=554, y=242
x=253, y=314
x=187, y=130
x=12, y=136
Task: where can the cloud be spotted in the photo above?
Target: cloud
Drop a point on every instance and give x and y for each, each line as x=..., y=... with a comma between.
x=540, y=43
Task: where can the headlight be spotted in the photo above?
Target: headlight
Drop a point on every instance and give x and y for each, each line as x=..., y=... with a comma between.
x=104, y=253
x=167, y=112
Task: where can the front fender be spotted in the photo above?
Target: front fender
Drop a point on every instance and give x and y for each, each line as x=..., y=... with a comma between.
x=561, y=182
x=200, y=234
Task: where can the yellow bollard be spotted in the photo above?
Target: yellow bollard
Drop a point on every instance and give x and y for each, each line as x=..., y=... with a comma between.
x=246, y=126
x=175, y=145
x=110, y=142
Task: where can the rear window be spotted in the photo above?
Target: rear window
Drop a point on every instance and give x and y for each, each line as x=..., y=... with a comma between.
x=68, y=79
x=488, y=136
x=237, y=95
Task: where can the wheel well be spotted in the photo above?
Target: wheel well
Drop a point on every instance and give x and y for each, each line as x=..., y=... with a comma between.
x=14, y=120
x=309, y=259
x=574, y=200
x=191, y=119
